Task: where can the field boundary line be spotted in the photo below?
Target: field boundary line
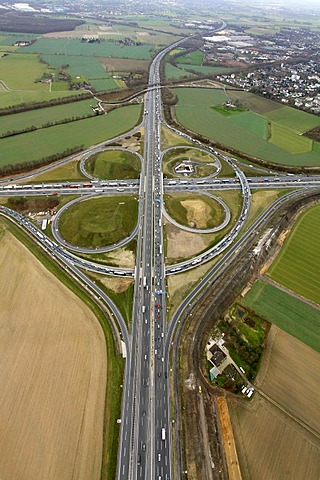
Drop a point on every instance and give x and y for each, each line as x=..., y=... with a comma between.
x=298, y=420
x=288, y=291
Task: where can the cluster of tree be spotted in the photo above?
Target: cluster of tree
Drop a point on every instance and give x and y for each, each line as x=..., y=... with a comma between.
x=22, y=204
x=8, y=170
x=24, y=107
x=264, y=163
x=169, y=97
x=32, y=128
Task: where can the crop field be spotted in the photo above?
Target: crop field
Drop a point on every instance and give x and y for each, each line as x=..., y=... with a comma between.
x=287, y=312
x=194, y=211
x=53, y=369
x=123, y=64
x=294, y=119
x=42, y=116
x=252, y=122
x=90, y=69
x=115, y=164
x=289, y=374
x=40, y=143
x=269, y=446
x=257, y=104
x=297, y=265
x=19, y=72
x=173, y=72
x=100, y=221
x=288, y=140
x=195, y=113
x=205, y=69
x=17, y=97
x=76, y=47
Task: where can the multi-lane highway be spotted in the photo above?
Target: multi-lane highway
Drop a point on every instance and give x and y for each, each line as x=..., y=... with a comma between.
x=145, y=450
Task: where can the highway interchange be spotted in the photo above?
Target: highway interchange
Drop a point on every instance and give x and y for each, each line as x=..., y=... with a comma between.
x=145, y=448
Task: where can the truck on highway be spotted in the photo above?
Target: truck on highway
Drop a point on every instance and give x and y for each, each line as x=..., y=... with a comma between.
x=160, y=248
x=144, y=281
x=143, y=309
x=163, y=433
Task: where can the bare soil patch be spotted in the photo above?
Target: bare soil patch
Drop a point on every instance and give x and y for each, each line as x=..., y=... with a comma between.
x=198, y=212
x=181, y=244
x=118, y=285
x=123, y=64
x=52, y=374
x=122, y=257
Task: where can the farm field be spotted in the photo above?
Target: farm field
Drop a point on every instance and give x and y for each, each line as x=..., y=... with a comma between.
x=297, y=265
x=195, y=113
x=114, y=164
x=53, y=369
x=72, y=46
x=204, y=69
x=193, y=58
x=289, y=140
x=90, y=69
x=100, y=221
x=294, y=119
x=269, y=446
x=197, y=211
x=287, y=312
x=43, y=116
x=35, y=145
x=19, y=72
x=289, y=374
x=16, y=97
x=173, y=72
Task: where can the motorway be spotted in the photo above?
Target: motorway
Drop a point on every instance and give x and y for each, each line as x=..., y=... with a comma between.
x=145, y=449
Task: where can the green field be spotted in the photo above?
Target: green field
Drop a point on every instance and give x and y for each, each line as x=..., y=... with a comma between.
x=8, y=99
x=35, y=145
x=19, y=72
x=289, y=141
x=172, y=72
x=42, y=116
x=115, y=164
x=90, y=70
x=180, y=213
x=294, y=119
x=193, y=58
x=287, y=312
x=100, y=221
x=204, y=69
x=243, y=134
x=298, y=264
x=68, y=46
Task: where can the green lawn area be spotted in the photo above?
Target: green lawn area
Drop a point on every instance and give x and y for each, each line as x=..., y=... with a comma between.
x=298, y=264
x=288, y=140
x=195, y=113
x=294, y=119
x=287, y=312
x=72, y=46
x=35, y=145
x=42, y=116
x=19, y=71
x=99, y=221
x=115, y=164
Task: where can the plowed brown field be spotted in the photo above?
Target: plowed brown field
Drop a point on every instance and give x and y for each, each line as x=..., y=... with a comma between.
x=52, y=374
